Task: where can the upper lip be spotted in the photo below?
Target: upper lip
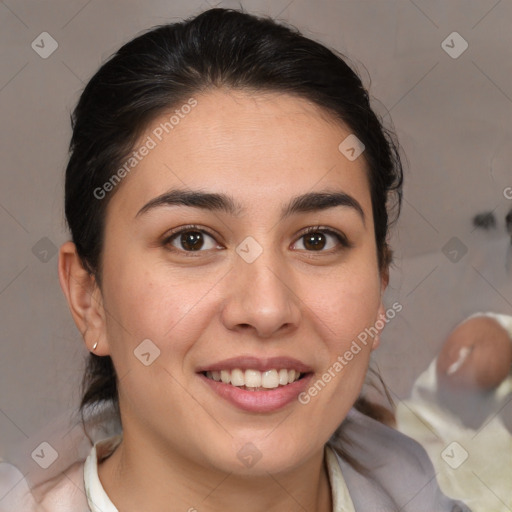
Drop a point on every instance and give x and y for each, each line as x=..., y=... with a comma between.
x=257, y=363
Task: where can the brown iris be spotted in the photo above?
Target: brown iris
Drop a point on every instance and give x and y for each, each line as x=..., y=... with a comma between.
x=192, y=240
x=314, y=241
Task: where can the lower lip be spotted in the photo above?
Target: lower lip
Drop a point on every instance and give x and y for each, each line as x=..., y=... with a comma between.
x=259, y=401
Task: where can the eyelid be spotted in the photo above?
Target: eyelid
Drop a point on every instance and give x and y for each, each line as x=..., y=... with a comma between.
x=189, y=227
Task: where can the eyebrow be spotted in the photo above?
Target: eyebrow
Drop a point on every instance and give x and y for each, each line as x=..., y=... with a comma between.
x=311, y=201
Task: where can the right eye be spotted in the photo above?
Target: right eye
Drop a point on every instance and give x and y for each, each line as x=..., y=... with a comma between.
x=190, y=239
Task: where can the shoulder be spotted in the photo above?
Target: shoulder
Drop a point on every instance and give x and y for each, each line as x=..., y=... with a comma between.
x=62, y=493
x=397, y=473
x=380, y=446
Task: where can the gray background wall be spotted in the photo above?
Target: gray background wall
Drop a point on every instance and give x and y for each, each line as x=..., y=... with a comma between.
x=452, y=116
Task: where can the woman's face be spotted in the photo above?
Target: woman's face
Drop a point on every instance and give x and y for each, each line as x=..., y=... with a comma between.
x=245, y=291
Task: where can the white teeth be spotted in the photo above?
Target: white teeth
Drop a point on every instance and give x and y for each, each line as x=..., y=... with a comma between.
x=252, y=379
x=237, y=377
x=270, y=379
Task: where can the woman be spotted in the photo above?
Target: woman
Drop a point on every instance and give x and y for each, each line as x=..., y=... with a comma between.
x=227, y=196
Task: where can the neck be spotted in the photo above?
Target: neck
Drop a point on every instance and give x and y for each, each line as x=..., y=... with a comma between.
x=175, y=483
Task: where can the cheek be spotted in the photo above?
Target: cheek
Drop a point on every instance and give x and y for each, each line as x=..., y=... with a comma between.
x=347, y=304
x=157, y=303
x=345, y=314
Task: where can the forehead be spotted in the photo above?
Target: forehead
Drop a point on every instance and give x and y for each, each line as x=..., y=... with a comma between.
x=259, y=145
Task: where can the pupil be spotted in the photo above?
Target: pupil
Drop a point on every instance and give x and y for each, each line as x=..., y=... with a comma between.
x=315, y=241
x=192, y=240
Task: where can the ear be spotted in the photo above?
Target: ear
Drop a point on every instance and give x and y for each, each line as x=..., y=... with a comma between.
x=84, y=298
x=381, y=318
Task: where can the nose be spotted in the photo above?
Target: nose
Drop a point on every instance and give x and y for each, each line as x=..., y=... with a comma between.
x=261, y=297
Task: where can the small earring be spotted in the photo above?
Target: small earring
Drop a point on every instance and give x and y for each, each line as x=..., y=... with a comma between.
x=94, y=346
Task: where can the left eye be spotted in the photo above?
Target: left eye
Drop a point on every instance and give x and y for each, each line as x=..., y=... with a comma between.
x=318, y=240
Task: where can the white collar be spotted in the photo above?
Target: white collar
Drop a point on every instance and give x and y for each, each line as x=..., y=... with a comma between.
x=99, y=501
x=97, y=498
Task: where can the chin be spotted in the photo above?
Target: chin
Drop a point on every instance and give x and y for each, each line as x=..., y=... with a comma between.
x=265, y=453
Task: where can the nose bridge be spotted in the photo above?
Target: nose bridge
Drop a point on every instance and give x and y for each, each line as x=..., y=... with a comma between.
x=262, y=293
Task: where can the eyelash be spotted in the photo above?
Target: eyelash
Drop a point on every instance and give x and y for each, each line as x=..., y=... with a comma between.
x=342, y=239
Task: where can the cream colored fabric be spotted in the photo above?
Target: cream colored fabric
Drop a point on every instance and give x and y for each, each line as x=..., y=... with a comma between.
x=340, y=496
x=97, y=498
x=471, y=465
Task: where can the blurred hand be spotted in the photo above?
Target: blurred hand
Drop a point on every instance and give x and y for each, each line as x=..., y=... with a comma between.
x=477, y=355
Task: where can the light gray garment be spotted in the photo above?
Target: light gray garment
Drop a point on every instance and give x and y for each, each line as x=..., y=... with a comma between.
x=401, y=477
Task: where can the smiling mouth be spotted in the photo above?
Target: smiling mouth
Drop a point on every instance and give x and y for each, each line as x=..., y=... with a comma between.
x=254, y=380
